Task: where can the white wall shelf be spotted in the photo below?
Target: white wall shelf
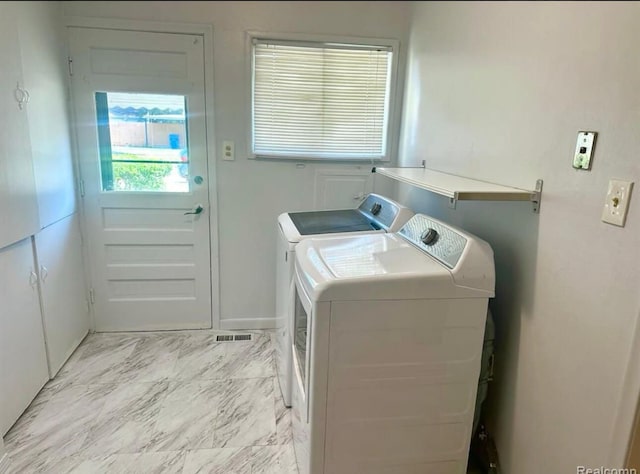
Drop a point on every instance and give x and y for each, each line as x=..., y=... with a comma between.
x=458, y=188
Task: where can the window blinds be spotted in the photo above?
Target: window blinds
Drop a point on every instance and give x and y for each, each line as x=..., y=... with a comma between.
x=318, y=100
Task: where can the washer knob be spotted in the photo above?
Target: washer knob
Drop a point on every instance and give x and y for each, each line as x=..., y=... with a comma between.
x=376, y=208
x=429, y=236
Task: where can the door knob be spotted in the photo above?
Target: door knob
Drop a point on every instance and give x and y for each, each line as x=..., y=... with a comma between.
x=198, y=209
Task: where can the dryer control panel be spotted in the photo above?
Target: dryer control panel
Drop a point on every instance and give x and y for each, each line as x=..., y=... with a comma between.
x=379, y=210
x=435, y=238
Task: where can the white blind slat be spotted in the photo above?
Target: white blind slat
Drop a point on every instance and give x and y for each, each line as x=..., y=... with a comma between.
x=320, y=101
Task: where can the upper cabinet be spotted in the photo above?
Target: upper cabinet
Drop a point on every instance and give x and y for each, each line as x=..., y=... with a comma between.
x=18, y=202
x=45, y=74
x=36, y=166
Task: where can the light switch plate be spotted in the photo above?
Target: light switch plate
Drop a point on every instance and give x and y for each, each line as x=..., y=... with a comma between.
x=617, y=202
x=228, y=150
x=584, y=150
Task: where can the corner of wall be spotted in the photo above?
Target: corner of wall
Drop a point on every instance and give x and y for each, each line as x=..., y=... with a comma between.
x=623, y=429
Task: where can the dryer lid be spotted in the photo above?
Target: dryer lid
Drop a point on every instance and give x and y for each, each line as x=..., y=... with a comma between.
x=329, y=222
x=375, y=213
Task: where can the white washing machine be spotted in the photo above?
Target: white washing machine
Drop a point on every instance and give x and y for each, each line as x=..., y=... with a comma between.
x=388, y=334
x=375, y=214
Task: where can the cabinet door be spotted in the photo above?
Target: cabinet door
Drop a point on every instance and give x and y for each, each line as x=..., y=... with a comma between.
x=64, y=304
x=23, y=360
x=341, y=188
x=18, y=201
x=45, y=74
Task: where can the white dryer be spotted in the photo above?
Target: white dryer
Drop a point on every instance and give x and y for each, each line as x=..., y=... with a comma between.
x=388, y=334
x=375, y=214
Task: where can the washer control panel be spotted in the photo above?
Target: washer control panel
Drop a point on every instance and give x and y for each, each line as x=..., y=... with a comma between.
x=435, y=238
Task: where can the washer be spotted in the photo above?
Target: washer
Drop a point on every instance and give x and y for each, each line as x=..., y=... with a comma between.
x=375, y=214
x=388, y=333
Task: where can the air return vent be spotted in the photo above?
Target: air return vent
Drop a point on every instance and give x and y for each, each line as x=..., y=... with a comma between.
x=233, y=337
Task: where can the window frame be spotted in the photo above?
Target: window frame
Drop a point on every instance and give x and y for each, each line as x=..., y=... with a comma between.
x=392, y=121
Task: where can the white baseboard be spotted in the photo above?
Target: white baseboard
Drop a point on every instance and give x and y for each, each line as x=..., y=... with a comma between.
x=4, y=463
x=247, y=323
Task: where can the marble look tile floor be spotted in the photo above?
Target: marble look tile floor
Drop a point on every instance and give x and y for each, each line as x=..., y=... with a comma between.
x=175, y=402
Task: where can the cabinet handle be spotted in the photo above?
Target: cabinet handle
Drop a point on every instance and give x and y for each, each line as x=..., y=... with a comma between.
x=21, y=95
x=33, y=279
x=43, y=273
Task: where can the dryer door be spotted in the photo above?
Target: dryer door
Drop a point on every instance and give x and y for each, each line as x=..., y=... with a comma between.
x=301, y=343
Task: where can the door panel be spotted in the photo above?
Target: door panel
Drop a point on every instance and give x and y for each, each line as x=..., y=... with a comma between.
x=62, y=288
x=44, y=57
x=18, y=202
x=23, y=360
x=341, y=188
x=140, y=106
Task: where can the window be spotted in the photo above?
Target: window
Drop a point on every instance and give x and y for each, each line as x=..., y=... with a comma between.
x=320, y=100
x=143, y=142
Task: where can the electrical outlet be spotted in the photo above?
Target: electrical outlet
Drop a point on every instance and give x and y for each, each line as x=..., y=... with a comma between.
x=617, y=202
x=584, y=150
x=228, y=150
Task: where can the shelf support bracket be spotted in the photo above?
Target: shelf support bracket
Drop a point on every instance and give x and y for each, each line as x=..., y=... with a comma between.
x=453, y=201
x=536, y=196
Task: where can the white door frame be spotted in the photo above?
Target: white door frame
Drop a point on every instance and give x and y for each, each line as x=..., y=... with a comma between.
x=184, y=28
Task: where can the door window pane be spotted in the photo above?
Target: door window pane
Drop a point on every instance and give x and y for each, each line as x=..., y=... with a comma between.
x=143, y=142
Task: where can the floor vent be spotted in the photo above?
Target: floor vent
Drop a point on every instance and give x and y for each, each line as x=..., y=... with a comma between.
x=233, y=337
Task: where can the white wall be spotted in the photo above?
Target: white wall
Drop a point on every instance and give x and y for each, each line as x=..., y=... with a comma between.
x=250, y=193
x=498, y=91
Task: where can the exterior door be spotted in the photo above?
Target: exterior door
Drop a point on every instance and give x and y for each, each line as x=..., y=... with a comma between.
x=139, y=101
